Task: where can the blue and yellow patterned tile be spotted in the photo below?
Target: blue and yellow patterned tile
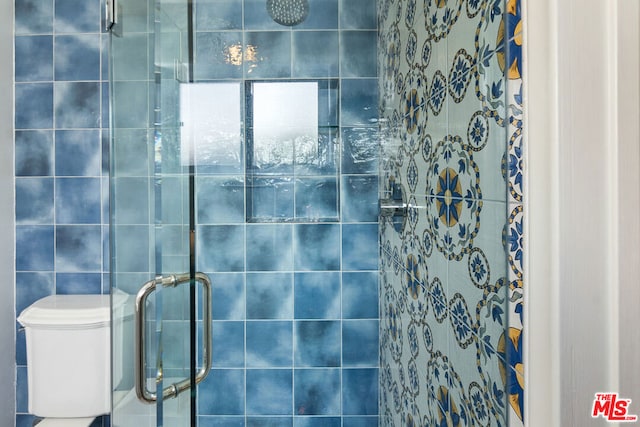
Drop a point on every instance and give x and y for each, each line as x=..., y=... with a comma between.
x=484, y=263
x=513, y=29
x=514, y=230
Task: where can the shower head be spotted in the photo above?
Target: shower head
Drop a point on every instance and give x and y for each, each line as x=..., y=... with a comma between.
x=288, y=12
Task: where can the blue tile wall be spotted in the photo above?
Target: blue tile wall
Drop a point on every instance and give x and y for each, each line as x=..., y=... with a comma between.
x=60, y=141
x=292, y=303
x=305, y=283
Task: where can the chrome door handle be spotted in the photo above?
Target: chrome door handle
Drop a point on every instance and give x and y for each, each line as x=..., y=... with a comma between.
x=175, y=389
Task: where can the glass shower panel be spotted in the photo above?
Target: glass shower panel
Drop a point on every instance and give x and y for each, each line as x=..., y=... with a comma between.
x=150, y=214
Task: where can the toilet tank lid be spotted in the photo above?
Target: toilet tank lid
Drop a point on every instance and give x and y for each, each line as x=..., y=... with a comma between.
x=73, y=311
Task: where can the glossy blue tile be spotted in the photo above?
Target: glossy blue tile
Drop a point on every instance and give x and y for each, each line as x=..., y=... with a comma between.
x=130, y=243
x=34, y=201
x=176, y=303
x=173, y=207
x=21, y=344
x=360, y=295
x=77, y=57
x=269, y=344
x=360, y=391
x=23, y=420
x=72, y=16
x=317, y=247
x=318, y=159
x=130, y=100
x=34, y=105
x=360, y=247
x=358, y=14
x=78, y=283
x=270, y=199
x=359, y=198
x=228, y=350
x=317, y=392
x=269, y=392
x=328, y=103
x=315, y=54
x=222, y=393
x=368, y=421
x=78, y=248
x=220, y=248
x=317, y=343
x=129, y=154
x=360, y=343
x=317, y=421
x=317, y=295
x=132, y=196
x=106, y=281
x=220, y=200
x=359, y=98
x=228, y=296
x=269, y=421
x=104, y=57
x=22, y=390
x=220, y=421
x=77, y=105
x=323, y=15
x=140, y=21
x=78, y=153
x=34, y=153
x=256, y=16
x=130, y=57
x=218, y=15
x=78, y=200
x=269, y=247
x=104, y=182
x=267, y=54
x=219, y=55
x=269, y=295
x=175, y=345
x=34, y=17
x=30, y=287
x=34, y=248
x=316, y=199
x=360, y=150
x=358, y=53
x=33, y=58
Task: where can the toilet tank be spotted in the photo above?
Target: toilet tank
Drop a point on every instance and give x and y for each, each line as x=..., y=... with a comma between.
x=68, y=355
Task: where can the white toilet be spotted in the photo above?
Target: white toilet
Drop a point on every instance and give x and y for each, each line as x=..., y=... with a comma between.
x=68, y=358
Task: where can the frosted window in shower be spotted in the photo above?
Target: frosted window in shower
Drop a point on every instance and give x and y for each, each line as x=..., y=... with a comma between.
x=211, y=126
x=285, y=123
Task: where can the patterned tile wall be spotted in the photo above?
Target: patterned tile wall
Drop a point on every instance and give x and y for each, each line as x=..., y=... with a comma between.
x=60, y=166
x=448, y=291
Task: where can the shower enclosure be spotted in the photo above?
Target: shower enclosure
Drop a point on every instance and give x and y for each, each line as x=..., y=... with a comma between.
x=250, y=143
x=245, y=151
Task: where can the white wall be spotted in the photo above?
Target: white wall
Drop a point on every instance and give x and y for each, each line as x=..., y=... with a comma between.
x=628, y=49
x=7, y=314
x=583, y=205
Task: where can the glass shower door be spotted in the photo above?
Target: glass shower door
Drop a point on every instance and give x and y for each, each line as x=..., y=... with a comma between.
x=155, y=288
